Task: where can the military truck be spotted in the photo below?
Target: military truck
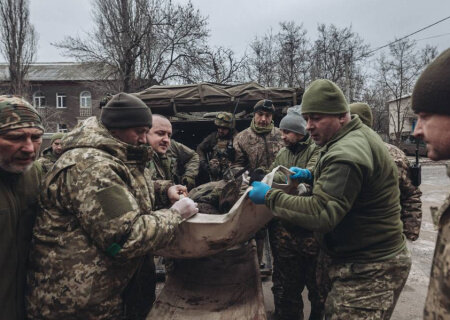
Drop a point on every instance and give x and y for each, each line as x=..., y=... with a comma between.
x=191, y=108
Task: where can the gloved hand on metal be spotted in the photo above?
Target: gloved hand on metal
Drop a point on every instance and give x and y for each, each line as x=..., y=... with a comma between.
x=259, y=191
x=301, y=175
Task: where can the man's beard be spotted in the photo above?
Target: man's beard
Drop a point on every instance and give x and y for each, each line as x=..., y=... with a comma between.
x=13, y=168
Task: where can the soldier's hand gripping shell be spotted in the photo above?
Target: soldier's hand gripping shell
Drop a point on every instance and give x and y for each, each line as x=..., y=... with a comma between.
x=186, y=207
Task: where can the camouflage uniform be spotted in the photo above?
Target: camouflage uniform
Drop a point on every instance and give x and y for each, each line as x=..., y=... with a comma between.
x=95, y=226
x=254, y=151
x=411, y=213
x=437, y=304
x=179, y=164
x=217, y=151
x=294, y=249
x=257, y=150
x=47, y=159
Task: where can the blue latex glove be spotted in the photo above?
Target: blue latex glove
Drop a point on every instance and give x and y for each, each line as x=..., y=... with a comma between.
x=301, y=175
x=258, y=193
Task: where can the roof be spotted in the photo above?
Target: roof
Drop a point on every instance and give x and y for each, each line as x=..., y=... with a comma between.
x=406, y=96
x=57, y=71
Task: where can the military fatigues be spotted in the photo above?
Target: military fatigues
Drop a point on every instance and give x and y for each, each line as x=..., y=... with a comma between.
x=294, y=249
x=411, y=213
x=355, y=210
x=254, y=151
x=437, y=304
x=179, y=164
x=47, y=159
x=257, y=150
x=217, y=151
x=95, y=226
x=18, y=208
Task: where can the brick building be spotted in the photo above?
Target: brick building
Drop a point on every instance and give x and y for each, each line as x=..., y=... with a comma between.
x=63, y=93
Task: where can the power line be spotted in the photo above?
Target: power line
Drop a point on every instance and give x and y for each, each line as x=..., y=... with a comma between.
x=409, y=35
x=436, y=36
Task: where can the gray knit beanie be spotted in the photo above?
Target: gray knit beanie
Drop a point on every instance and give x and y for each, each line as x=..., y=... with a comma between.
x=293, y=121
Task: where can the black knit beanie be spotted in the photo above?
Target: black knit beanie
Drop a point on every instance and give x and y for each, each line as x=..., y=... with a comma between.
x=432, y=90
x=125, y=111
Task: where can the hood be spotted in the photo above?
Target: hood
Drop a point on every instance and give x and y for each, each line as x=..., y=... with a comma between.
x=90, y=133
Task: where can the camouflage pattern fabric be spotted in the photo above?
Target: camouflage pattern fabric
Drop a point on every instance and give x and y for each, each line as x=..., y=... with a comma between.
x=16, y=113
x=95, y=227
x=47, y=159
x=294, y=267
x=437, y=304
x=366, y=290
x=255, y=150
x=216, y=150
x=411, y=213
x=180, y=162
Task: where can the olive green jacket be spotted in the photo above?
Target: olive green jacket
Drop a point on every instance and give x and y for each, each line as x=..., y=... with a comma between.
x=303, y=154
x=18, y=208
x=47, y=159
x=179, y=162
x=355, y=205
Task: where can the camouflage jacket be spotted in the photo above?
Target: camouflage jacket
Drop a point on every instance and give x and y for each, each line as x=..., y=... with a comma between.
x=179, y=162
x=47, y=159
x=95, y=225
x=257, y=151
x=411, y=213
x=437, y=304
x=18, y=208
x=215, y=147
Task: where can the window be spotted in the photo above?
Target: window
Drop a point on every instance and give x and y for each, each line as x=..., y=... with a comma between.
x=61, y=127
x=85, y=99
x=61, y=100
x=38, y=99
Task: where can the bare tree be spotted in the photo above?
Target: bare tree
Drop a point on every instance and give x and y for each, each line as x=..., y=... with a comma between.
x=263, y=60
x=293, y=55
x=338, y=55
x=142, y=42
x=18, y=41
x=398, y=72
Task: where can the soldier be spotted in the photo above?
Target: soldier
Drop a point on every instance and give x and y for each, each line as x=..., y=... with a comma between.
x=96, y=222
x=216, y=150
x=52, y=153
x=431, y=102
x=354, y=208
x=256, y=147
x=411, y=213
x=172, y=160
x=294, y=249
x=20, y=139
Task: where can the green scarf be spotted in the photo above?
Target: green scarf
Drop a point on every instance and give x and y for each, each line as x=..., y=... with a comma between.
x=261, y=130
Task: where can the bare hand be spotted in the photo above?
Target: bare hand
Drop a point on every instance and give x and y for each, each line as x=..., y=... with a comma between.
x=175, y=192
x=186, y=207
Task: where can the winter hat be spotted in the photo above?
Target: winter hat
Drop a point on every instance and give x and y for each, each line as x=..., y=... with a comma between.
x=16, y=113
x=363, y=111
x=432, y=90
x=324, y=96
x=126, y=111
x=56, y=136
x=264, y=105
x=293, y=121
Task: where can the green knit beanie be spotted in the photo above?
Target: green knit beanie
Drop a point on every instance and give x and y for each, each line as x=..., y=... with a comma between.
x=432, y=90
x=363, y=111
x=17, y=113
x=56, y=136
x=126, y=111
x=323, y=96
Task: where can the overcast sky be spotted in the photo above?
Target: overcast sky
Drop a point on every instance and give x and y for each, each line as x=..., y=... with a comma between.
x=235, y=23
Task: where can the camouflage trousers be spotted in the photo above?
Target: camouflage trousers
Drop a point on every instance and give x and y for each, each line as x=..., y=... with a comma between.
x=295, y=256
x=366, y=290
